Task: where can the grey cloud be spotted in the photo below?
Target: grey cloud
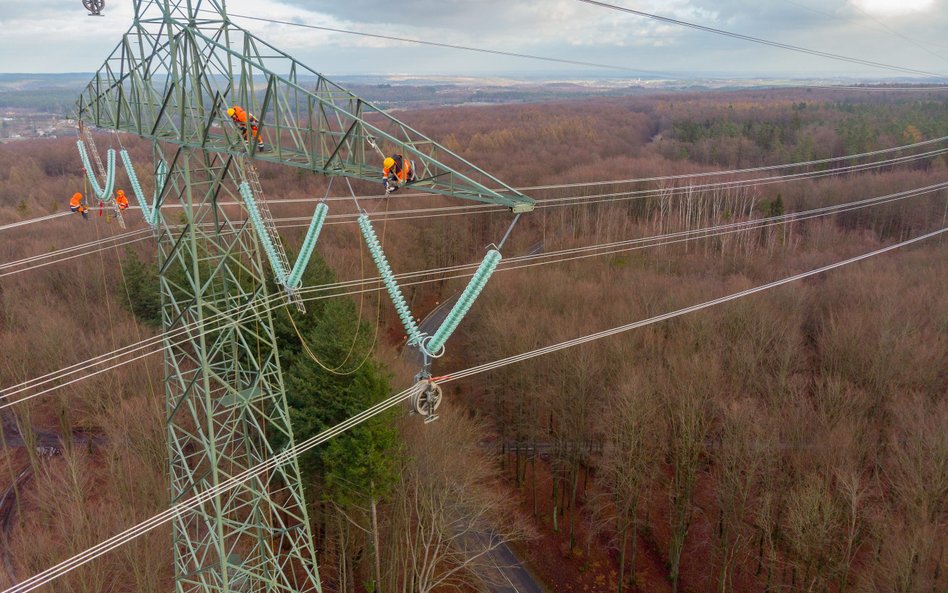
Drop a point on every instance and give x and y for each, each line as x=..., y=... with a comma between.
x=558, y=28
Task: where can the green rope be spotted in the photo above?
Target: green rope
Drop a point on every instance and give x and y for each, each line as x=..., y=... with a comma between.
x=388, y=278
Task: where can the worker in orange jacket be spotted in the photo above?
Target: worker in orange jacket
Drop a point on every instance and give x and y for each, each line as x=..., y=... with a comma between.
x=121, y=200
x=396, y=171
x=76, y=205
x=241, y=118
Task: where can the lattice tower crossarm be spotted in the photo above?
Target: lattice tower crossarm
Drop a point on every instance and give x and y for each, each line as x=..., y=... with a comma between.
x=306, y=120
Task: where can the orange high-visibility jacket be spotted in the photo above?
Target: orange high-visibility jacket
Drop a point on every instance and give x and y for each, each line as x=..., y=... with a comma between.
x=240, y=116
x=121, y=200
x=401, y=169
x=76, y=200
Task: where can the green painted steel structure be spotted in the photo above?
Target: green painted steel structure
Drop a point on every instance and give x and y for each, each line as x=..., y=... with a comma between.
x=170, y=80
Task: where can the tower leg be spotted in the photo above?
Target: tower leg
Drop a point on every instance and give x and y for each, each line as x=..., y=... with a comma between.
x=226, y=405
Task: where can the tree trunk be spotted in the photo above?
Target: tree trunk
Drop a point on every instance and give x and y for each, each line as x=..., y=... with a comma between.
x=533, y=468
x=375, y=544
x=572, y=509
x=341, y=556
x=556, y=527
x=622, y=543
x=635, y=547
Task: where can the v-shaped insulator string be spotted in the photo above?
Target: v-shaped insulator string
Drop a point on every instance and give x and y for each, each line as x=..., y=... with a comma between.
x=104, y=192
x=149, y=210
x=290, y=279
x=430, y=346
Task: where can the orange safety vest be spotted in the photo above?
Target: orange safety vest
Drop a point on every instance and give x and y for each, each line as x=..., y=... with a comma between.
x=401, y=169
x=241, y=117
x=76, y=200
x=121, y=200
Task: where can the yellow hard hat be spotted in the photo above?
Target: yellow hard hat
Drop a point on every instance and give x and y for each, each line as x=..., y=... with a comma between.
x=231, y=112
x=388, y=163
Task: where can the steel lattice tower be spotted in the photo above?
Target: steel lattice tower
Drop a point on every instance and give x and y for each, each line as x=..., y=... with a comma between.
x=170, y=79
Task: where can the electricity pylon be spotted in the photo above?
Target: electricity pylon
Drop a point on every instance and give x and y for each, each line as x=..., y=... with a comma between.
x=170, y=80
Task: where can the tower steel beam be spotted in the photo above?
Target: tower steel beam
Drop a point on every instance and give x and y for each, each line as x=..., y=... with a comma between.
x=225, y=399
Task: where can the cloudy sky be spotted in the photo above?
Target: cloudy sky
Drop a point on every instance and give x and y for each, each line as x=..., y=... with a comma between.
x=56, y=36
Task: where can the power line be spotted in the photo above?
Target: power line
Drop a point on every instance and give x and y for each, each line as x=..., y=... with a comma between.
x=67, y=254
x=14, y=225
x=465, y=270
x=777, y=44
x=864, y=13
x=532, y=188
x=54, y=572
x=635, y=325
x=447, y=45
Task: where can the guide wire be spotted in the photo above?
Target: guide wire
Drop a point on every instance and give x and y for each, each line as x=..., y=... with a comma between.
x=462, y=272
x=758, y=40
x=591, y=183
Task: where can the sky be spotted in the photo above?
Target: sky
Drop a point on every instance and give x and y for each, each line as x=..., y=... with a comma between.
x=57, y=36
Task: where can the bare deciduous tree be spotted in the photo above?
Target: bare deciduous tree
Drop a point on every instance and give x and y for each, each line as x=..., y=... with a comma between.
x=628, y=464
x=451, y=514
